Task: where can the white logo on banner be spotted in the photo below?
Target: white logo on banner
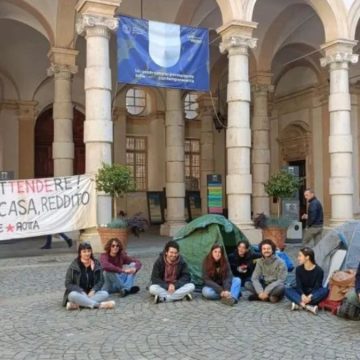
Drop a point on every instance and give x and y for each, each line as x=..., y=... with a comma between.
x=164, y=43
x=34, y=207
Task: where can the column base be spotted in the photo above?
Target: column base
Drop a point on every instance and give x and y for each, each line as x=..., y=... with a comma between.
x=92, y=236
x=170, y=228
x=337, y=222
x=253, y=235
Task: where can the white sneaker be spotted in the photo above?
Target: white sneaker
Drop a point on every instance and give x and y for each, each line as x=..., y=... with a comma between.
x=188, y=297
x=312, y=308
x=295, y=306
x=107, y=304
x=72, y=306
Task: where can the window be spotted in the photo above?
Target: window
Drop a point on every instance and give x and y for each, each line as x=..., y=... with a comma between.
x=191, y=106
x=192, y=164
x=136, y=159
x=135, y=101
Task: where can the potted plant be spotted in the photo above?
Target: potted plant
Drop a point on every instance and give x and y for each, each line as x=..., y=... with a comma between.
x=115, y=180
x=121, y=226
x=280, y=186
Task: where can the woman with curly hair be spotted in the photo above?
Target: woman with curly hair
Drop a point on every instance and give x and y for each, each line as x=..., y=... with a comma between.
x=119, y=269
x=218, y=279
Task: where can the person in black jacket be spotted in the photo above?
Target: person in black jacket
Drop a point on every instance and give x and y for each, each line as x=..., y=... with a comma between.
x=314, y=219
x=83, y=282
x=243, y=260
x=308, y=291
x=218, y=279
x=170, y=277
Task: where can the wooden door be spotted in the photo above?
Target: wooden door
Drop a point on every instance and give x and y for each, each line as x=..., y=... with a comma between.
x=44, y=137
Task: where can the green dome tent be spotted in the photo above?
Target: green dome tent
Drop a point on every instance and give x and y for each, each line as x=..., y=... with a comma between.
x=196, y=239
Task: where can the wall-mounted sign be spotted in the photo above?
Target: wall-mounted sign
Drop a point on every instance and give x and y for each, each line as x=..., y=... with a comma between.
x=215, y=194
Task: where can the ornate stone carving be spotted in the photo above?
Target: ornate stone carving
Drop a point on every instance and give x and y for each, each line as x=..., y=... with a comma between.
x=295, y=142
x=339, y=57
x=99, y=23
x=62, y=71
x=237, y=42
x=262, y=88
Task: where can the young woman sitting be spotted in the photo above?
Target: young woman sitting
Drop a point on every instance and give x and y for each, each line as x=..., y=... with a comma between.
x=83, y=282
x=309, y=278
x=218, y=279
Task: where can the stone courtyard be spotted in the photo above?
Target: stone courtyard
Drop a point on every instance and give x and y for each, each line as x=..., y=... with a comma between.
x=34, y=325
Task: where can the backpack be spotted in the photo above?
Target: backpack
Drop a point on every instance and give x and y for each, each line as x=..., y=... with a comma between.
x=347, y=310
x=340, y=283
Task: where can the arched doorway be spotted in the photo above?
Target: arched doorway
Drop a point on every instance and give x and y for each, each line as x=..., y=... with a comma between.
x=44, y=137
x=295, y=148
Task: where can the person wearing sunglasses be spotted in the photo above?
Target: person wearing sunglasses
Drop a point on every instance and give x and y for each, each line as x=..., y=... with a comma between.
x=119, y=269
x=84, y=281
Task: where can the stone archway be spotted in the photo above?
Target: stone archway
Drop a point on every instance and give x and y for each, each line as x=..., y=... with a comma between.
x=295, y=150
x=295, y=142
x=44, y=137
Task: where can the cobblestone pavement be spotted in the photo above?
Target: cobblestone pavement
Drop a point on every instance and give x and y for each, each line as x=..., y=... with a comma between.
x=34, y=325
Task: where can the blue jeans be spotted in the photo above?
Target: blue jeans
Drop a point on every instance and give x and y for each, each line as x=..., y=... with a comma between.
x=294, y=295
x=114, y=282
x=82, y=299
x=49, y=239
x=209, y=293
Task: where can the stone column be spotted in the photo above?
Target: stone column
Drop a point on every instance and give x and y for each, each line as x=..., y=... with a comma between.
x=27, y=120
x=236, y=40
x=338, y=55
x=156, y=156
x=207, y=164
x=261, y=143
x=175, y=163
x=119, y=136
x=98, y=126
x=95, y=22
x=63, y=67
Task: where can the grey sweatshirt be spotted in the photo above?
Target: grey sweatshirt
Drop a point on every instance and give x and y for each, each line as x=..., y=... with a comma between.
x=272, y=272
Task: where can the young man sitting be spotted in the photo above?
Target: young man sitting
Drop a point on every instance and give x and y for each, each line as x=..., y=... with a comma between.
x=268, y=278
x=170, y=277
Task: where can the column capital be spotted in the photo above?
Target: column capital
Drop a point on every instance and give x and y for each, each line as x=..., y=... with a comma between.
x=239, y=43
x=95, y=25
x=238, y=35
x=27, y=110
x=62, y=56
x=63, y=71
x=262, y=78
x=262, y=88
x=339, y=51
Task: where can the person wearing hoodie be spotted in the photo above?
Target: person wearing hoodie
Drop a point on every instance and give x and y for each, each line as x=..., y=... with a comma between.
x=119, y=269
x=170, y=277
x=243, y=260
x=268, y=278
x=83, y=282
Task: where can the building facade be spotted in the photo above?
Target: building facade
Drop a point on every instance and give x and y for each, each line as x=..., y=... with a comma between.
x=284, y=76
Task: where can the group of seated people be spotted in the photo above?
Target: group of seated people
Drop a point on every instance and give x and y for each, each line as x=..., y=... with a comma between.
x=89, y=281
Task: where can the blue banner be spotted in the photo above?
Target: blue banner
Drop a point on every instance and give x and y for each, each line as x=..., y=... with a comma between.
x=151, y=53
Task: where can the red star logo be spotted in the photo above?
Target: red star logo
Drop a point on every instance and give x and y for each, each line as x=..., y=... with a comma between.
x=10, y=228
